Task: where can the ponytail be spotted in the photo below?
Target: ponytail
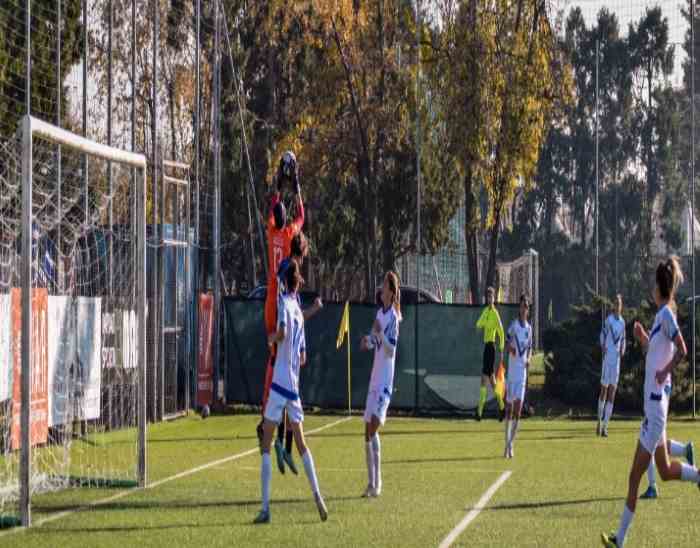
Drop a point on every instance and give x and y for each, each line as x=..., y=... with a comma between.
x=669, y=277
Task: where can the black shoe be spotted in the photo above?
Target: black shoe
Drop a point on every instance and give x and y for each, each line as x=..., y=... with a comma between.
x=501, y=415
x=478, y=417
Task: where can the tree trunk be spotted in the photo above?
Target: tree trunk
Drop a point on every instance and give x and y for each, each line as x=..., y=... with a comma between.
x=493, y=249
x=470, y=236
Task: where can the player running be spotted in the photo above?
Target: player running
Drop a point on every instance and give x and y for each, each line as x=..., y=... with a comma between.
x=383, y=340
x=279, y=237
x=612, y=342
x=665, y=350
x=520, y=347
x=675, y=449
x=284, y=391
x=490, y=322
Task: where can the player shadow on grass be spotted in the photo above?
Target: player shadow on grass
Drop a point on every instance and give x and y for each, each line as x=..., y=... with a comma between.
x=176, y=504
x=549, y=504
x=441, y=459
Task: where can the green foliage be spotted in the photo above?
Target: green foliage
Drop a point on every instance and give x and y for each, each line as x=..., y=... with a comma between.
x=573, y=359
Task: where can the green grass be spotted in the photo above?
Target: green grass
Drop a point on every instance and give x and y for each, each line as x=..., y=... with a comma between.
x=566, y=487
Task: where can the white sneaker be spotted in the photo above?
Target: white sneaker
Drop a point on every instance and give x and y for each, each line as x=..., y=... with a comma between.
x=378, y=490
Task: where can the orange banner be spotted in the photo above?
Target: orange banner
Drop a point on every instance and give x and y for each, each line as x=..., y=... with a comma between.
x=39, y=401
x=205, y=366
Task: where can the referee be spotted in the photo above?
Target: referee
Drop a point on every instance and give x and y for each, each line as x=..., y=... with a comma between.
x=490, y=322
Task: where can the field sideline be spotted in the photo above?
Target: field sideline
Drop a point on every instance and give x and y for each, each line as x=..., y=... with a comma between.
x=565, y=487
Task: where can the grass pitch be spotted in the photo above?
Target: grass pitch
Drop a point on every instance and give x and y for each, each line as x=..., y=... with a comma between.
x=567, y=485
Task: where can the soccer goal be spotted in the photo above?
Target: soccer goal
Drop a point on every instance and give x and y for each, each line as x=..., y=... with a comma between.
x=72, y=316
x=519, y=277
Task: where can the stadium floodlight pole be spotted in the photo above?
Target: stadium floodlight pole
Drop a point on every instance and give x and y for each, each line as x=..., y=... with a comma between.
x=217, y=196
x=85, y=71
x=692, y=190
x=597, y=169
x=157, y=327
x=110, y=178
x=192, y=361
x=418, y=206
x=25, y=458
x=59, y=90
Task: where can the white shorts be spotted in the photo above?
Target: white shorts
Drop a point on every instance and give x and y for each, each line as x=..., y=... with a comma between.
x=611, y=373
x=653, y=431
x=377, y=404
x=515, y=390
x=277, y=403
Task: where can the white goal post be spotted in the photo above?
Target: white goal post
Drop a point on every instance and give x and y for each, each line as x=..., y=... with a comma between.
x=31, y=129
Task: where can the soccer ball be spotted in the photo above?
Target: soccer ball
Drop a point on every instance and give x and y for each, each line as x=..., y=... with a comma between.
x=288, y=164
x=205, y=412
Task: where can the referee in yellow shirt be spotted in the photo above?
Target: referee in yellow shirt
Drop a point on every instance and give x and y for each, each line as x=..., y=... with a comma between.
x=490, y=322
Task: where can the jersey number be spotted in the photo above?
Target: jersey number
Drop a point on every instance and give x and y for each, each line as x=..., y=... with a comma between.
x=277, y=255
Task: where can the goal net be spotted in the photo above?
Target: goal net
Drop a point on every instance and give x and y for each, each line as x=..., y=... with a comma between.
x=521, y=277
x=72, y=316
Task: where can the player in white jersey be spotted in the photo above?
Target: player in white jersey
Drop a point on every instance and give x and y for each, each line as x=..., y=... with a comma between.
x=519, y=341
x=284, y=391
x=613, y=344
x=383, y=340
x=665, y=350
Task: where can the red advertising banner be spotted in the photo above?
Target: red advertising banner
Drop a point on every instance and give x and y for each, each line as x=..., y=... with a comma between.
x=205, y=366
x=39, y=425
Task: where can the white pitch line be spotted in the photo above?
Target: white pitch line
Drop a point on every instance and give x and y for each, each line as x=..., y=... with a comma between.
x=471, y=516
x=160, y=482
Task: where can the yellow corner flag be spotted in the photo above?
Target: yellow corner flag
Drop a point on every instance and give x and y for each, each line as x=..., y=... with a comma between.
x=344, y=325
x=345, y=330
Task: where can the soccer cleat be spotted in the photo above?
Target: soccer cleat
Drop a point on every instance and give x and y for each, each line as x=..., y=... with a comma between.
x=279, y=452
x=378, y=490
x=259, y=432
x=478, y=417
x=321, y=505
x=262, y=517
x=511, y=453
x=371, y=492
x=289, y=460
x=506, y=453
x=604, y=432
x=650, y=493
x=501, y=415
x=690, y=453
x=598, y=429
x=609, y=541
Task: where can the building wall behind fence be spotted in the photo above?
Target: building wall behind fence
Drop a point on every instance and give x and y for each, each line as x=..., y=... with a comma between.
x=448, y=367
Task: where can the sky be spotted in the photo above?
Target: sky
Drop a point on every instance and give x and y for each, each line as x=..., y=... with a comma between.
x=629, y=11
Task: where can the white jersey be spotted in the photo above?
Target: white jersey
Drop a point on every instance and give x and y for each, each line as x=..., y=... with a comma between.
x=659, y=354
x=612, y=338
x=385, y=343
x=285, y=379
x=520, y=337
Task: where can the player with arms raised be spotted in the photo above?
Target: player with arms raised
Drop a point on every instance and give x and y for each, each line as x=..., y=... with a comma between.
x=279, y=238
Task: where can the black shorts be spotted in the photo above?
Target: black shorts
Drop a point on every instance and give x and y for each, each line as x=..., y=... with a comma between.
x=489, y=359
